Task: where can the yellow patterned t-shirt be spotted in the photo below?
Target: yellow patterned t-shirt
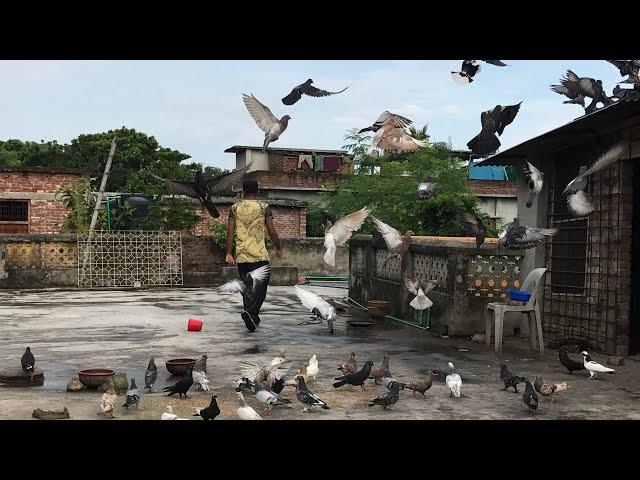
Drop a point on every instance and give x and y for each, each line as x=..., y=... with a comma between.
x=250, y=217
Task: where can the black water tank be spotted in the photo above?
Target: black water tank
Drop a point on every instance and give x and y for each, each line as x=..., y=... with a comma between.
x=141, y=204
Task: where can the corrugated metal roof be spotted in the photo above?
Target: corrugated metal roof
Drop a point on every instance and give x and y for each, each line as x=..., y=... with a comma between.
x=239, y=148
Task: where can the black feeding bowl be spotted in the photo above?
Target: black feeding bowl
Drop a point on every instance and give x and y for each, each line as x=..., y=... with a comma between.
x=179, y=366
x=94, y=377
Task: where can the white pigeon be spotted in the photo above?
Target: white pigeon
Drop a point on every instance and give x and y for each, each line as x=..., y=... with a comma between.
x=420, y=288
x=318, y=305
x=608, y=158
x=454, y=382
x=238, y=286
x=267, y=121
x=200, y=380
x=168, y=414
x=579, y=204
x=594, y=367
x=339, y=233
x=392, y=138
x=244, y=411
x=312, y=368
x=269, y=399
x=534, y=182
x=276, y=368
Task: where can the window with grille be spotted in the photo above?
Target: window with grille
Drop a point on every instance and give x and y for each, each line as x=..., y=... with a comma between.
x=14, y=211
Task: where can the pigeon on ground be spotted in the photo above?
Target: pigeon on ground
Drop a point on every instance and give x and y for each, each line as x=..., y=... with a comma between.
x=394, y=139
x=247, y=286
x=278, y=385
x=306, y=397
x=355, y=379
x=183, y=385
x=570, y=364
x=210, y=412
x=520, y=237
x=322, y=309
x=398, y=122
x=244, y=384
x=376, y=373
x=307, y=89
x=338, y=233
x=169, y=415
x=631, y=68
x=201, y=364
x=388, y=380
x=389, y=397
x=420, y=288
x=509, y=379
x=267, y=373
x=312, y=367
x=475, y=227
x=534, y=182
x=469, y=70
x=624, y=94
x=454, y=382
x=244, y=411
x=594, y=367
x=420, y=386
x=614, y=153
x=150, y=376
x=108, y=402
x=492, y=121
x=548, y=389
x=351, y=366
x=268, y=123
x=426, y=188
x=133, y=396
x=203, y=189
x=529, y=397
x=267, y=398
x=396, y=243
x=200, y=380
x=28, y=362
x=577, y=87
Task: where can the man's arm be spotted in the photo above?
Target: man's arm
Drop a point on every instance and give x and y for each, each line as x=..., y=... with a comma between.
x=273, y=234
x=231, y=226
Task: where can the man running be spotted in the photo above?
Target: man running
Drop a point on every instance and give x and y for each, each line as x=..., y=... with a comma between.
x=247, y=221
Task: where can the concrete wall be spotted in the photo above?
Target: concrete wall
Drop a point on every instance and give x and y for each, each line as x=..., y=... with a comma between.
x=307, y=253
x=504, y=208
x=260, y=160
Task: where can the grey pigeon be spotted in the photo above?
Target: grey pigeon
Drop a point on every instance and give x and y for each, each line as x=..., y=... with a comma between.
x=631, y=68
x=201, y=364
x=268, y=399
x=519, y=237
x=133, y=396
x=624, y=94
x=28, y=362
x=267, y=121
x=608, y=158
x=469, y=70
x=307, y=89
x=509, y=379
x=398, y=122
x=570, y=89
x=534, y=180
x=306, y=397
x=579, y=203
x=475, y=227
x=397, y=244
x=426, y=189
x=530, y=397
x=582, y=87
x=388, y=380
x=150, y=376
x=390, y=397
x=493, y=122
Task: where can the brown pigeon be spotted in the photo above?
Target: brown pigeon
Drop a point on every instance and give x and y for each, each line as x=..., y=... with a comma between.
x=378, y=372
x=421, y=386
x=396, y=243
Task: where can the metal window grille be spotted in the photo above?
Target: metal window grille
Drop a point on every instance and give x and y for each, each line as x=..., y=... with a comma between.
x=14, y=211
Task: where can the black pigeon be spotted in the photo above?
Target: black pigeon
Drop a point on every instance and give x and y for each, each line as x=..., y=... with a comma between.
x=475, y=227
x=183, y=385
x=509, y=379
x=355, y=379
x=150, y=376
x=530, y=397
x=398, y=122
x=568, y=363
x=625, y=94
x=389, y=397
x=245, y=384
x=469, y=70
x=307, y=89
x=210, y=412
x=203, y=189
x=306, y=397
x=426, y=189
x=627, y=67
x=278, y=385
x=28, y=362
x=493, y=121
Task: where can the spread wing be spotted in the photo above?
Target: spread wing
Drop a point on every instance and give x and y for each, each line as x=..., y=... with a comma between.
x=185, y=188
x=390, y=137
x=588, y=86
x=412, y=285
x=345, y=226
x=532, y=235
x=428, y=285
x=234, y=286
x=392, y=237
x=224, y=182
x=497, y=63
x=260, y=274
x=398, y=120
x=607, y=159
x=533, y=175
x=310, y=300
x=507, y=115
x=293, y=97
x=316, y=92
x=260, y=113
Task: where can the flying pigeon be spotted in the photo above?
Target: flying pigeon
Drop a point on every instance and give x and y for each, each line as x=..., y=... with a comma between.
x=420, y=386
x=548, y=389
x=420, y=287
x=340, y=232
x=520, y=237
x=269, y=399
x=569, y=88
x=633, y=80
x=201, y=364
x=378, y=372
x=28, y=362
x=351, y=366
x=631, y=68
x=182, y=386
x=396, y=243
x=377, y=239
x=475, y=226
x=608, y=158
x=356, y=379
x=427, y=188
x=307, y=89
x=200, y=380
x=268, y=123
x=322, y=309
x=244, y=411
x=594, y=367
x=454, y=382
x=492, y=121
x=469, y=70
x=210, y=412
x=108, y=402
x=267, y=373
x=247, y=286
x=582, y=86
x=203, y=189
x=306, y=397
x=169, y=415
x=509, y=379
x=534, y=182
x=578, y=202
x=394, y=139
x=529, y=397
x=624, y=94
x=568, y=363
x=398, y=122
x=133, y=396
x=389, y=397
x=150, y=376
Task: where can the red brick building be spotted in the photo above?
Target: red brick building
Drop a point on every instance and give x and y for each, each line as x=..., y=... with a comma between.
x=28, y=199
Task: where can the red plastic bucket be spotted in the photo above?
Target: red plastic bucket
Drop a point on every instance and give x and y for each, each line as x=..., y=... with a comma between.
x=194, y=325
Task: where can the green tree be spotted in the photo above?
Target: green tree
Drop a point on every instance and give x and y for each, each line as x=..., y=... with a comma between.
x=419, y=134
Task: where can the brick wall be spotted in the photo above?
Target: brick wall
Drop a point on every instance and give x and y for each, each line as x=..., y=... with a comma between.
x=295, y=179
x=493, y=187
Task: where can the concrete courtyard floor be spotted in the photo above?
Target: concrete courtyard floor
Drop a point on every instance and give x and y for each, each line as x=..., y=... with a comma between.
x=73, y=330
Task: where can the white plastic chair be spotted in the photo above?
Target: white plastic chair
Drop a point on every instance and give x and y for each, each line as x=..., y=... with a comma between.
x=532, y=284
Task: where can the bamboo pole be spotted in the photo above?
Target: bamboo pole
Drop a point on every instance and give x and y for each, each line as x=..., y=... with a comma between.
x=103, y=184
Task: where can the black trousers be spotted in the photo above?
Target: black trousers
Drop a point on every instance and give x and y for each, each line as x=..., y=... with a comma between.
x=253, y=303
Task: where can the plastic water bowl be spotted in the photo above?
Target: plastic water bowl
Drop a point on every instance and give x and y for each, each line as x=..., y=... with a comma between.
x=519, y=295
x=194, y=325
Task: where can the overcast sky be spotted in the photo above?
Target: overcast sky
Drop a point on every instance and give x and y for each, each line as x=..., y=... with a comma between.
x=196, y=106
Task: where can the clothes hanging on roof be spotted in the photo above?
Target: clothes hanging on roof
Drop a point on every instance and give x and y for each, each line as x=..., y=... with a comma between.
x=308, y=159
x=331, y=163
x=317, y=163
